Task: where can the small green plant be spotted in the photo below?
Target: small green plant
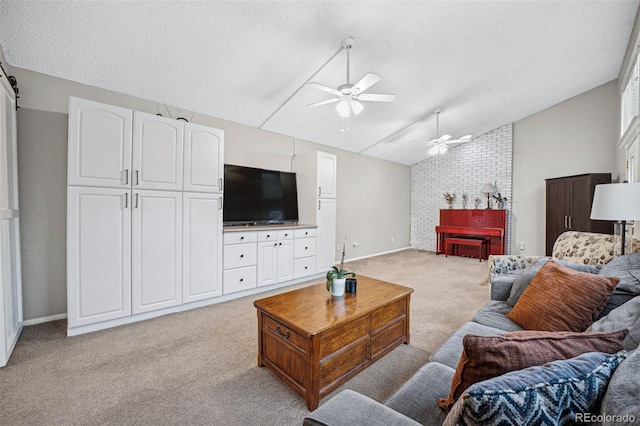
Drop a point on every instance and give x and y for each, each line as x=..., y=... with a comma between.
x=340, y=272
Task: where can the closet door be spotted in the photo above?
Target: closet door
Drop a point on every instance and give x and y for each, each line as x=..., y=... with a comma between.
x=98, y=254
x=156, y=250
x=157, y=152
x=99, y=144
x=203, y=158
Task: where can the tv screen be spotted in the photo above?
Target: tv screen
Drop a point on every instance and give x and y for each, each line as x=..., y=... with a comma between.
x=259, y=196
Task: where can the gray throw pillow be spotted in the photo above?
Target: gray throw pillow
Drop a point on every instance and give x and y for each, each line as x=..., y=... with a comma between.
x=626, y=316
x=621, y=397
x=522, y=282
x=627, y=268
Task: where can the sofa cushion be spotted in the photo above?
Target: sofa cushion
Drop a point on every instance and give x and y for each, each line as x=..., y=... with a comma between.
x=417, y=398
x=622, y=394
x=485, y=357
x=626, y=316
x=627, y=268
x=493, y=314
x=449, y=352
x=501, y=286
x=561, y=299
x=524, y=279
x=555, y=393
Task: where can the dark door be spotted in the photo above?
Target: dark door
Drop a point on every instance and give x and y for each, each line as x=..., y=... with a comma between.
x=580, y=204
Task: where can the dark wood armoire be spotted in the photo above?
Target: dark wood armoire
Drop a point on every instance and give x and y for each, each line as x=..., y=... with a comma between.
x=569, y=201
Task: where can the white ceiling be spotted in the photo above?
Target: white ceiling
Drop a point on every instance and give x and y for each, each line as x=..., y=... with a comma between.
x=484, y=63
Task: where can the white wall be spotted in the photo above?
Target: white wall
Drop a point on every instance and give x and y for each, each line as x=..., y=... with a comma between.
x=573, y=137
x=373, y=194
x=463, y=169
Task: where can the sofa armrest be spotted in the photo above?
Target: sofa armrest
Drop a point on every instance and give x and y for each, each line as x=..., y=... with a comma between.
x=351, y=408
x=510, y=264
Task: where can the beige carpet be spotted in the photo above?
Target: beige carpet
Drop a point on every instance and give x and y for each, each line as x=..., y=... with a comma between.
x=199, y=366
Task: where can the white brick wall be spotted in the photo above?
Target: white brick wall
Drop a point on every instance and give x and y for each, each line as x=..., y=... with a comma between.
x=464, y=168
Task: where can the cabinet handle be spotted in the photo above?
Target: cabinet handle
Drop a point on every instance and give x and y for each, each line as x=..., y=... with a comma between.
x=319, y=204
x=286, y=235
x=268, y=235
x=242, y=238
x=126, y=200
x=136, y=206
x=275, y=244
x=319, y=191
x=306, y=267
x=285, y=335
x=306, y=233
x=220, y=184
x=570, y=224
x=565, y=222
x=306, y=248
x=241, y=256
x=279, y=244
x=241, y=279
x=137, y=177
x=220, y=203
x=125, y=177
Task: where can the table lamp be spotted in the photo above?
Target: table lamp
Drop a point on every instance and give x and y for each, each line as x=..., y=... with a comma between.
x=619, y=202
x=488, y=189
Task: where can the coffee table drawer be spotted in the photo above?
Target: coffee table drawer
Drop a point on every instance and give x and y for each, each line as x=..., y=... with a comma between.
x=285, y=333
x=334, y=369
x=388, y=314
x=387, y=338
x=341, y=337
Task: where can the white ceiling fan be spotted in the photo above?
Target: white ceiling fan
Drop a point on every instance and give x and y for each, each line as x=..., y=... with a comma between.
x=348, y=96
x=441, y=145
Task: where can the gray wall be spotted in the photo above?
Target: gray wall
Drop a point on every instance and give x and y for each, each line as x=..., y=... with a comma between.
x=573, y=137
x=373, y=195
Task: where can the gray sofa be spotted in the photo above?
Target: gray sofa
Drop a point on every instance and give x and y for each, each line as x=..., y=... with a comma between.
x=416, y=401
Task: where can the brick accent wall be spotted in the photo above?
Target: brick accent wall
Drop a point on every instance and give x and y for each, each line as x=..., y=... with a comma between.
x=463, y=169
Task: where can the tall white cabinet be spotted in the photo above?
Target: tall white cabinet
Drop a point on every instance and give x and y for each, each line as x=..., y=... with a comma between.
x=144, y=215
x=316, y=174
x=11, y=321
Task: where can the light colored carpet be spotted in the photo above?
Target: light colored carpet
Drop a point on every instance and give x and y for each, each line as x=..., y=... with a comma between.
x=199, y=366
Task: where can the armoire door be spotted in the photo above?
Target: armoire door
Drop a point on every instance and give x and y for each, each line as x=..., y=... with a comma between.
x=326, y=234
x=558, y=210
x=157, y=152
x=98, y=254
x=156, y=250
x=202, y=248
x=99, y=144
x=203, y=158
x=581, y=196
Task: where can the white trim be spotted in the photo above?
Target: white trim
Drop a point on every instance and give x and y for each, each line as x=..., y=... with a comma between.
x=379, y=254
x=44, y=319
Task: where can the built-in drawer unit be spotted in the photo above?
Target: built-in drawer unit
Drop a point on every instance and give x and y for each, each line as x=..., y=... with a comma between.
x=304, y=267
x=240, y=255
x=285, y=234
x=304, y=233
x=239, y=279
x=304, y=247
x=267, y=235
x=240, y=237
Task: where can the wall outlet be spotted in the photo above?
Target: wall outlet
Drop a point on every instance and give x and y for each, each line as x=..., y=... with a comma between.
x=338, y=248
x=393, y=239
x=521, y=246
x=355, y=244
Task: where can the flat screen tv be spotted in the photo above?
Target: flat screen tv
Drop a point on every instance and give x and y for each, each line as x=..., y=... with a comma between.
x=257, y=196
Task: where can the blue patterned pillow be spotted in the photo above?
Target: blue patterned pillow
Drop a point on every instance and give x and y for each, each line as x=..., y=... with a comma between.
x=550, y=394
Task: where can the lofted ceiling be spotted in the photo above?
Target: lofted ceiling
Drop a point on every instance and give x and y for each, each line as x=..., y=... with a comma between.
x=484, y=63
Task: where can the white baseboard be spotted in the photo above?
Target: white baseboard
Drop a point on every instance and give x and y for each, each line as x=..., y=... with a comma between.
x=44, y=319
x=378, y=254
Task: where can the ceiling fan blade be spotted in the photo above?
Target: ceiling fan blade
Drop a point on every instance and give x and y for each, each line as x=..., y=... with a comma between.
x=454, y=142
x=444, y=138
x=377, y=97
x=466, y=137
x=325, y=88
x=329, y=101
x=365, y=82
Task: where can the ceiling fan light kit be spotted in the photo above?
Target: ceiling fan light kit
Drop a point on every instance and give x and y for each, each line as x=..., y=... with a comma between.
x=349, y=96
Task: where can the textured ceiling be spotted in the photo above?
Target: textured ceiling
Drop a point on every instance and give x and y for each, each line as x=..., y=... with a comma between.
x=484, y=63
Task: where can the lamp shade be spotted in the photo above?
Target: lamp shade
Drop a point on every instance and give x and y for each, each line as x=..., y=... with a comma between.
x=616, y=201
x=488, y=188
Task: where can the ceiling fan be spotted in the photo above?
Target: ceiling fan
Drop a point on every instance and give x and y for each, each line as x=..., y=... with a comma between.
x=441, y=145
x=349, y=96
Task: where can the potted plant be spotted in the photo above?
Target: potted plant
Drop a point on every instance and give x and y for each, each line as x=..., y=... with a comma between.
x=337, y=276
x=500, y=200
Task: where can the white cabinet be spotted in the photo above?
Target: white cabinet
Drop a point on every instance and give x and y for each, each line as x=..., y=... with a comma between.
x=203, y=158
x=11, y=321
x=202, y=246
x=99, y=144
x=326, y=237
x=157, y=152
x=275, y=258
x=240, y=260
x=98, y=255
x=326, y=175
x=157, y=250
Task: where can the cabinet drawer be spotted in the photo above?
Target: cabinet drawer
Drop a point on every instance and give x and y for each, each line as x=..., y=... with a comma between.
x=304, y=267
x=240, y=255
x=267, y=235
x=240, y=237
x=304, y=247
x=334, y=369
x=387, y=314
x=285, y=333
x=338, y=338
x=285, y=234
x=239, y=279
x=304, y=233
x=387, y=338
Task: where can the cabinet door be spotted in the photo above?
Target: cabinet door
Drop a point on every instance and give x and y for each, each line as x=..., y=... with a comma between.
x=267, y=263
x=203, y=158
x=156, y=250
x=285, y=260
x=98, y=255
x=327, y=172
x=580, y=204
x=99, y=144
x=157, y=152
x=202, y=248
x=558, y=211
x=326, y=235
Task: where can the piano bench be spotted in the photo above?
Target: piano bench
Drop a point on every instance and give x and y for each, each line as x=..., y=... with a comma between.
x=481, y=243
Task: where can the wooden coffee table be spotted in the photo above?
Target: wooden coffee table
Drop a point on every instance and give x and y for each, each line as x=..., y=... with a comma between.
x=315, y=342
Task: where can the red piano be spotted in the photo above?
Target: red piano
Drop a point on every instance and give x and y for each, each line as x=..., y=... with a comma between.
x=462, y=223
